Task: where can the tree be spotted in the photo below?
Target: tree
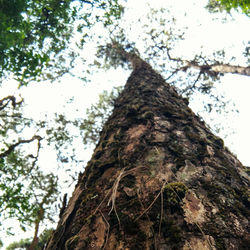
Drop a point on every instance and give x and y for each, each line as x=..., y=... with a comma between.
x=211, y=69
x=58, y=135
x=158, y=178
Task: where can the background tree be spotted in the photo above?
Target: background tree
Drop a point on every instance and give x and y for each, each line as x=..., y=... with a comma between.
x=97, y=115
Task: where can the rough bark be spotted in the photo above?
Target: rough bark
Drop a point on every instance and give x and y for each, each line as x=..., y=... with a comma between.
x=158, y=179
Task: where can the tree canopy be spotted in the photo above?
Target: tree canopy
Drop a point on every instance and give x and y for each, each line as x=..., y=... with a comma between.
x=34, y=32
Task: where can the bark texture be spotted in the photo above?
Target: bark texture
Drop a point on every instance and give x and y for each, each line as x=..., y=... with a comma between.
x=158, y=179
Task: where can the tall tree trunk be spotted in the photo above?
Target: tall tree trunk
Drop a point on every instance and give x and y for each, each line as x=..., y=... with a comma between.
x=158, y=179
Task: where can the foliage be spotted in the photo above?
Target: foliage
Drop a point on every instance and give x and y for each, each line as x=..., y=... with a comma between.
x=15, y=169
x=244, y=5
x=34, y=32
x=228, y=5
x=97, y=115
x=27, y=191
x=30, y=31
x=25, y=243
x=22, y=244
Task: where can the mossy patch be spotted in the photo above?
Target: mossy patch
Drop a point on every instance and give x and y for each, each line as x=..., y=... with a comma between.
x=98, y=167
x=71, y=243
x=90, y=194
x=174, y=193
x=213, y=190
x=174, y=112
x=175, y=147
x=89, y=219
x=132, y=110
x=195, y=136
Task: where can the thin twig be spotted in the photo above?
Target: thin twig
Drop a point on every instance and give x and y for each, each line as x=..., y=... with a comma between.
x=114, y=193
x=98, y=207
x=172, y=74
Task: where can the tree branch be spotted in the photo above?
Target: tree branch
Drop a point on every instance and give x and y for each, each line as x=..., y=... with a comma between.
x=12, y=147
x=211, y=69
x=6, y=100
x=219, y=68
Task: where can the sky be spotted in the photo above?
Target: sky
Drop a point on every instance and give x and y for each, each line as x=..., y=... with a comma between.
x=204, y=31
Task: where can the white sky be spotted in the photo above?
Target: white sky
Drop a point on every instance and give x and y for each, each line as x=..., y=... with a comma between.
x=49, y=98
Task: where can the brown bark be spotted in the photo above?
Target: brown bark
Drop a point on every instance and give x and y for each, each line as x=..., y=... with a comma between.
x=35, y=238
x=158, y=179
